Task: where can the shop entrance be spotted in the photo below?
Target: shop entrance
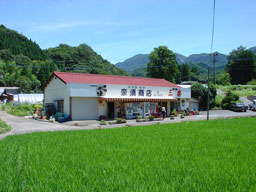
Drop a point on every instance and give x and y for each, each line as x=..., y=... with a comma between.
x=164, y=104
x=111, y=110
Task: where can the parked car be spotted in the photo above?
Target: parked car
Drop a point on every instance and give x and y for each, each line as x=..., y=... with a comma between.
x=253, y=105
x=238, y=107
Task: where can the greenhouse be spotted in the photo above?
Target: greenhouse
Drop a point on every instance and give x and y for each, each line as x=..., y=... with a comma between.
x=28, y=98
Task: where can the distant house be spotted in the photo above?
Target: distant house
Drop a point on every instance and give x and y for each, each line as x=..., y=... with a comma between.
x=6, y=93
x=188, y=103
x=192, y=82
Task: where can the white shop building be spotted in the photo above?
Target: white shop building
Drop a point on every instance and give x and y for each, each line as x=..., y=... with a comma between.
x=88, y=96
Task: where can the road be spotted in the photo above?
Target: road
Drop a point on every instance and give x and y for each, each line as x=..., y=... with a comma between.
x=245, y=101
x=21, y=125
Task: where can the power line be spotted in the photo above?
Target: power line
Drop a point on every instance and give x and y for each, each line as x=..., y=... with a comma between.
x=213, y=22
x=208, y=93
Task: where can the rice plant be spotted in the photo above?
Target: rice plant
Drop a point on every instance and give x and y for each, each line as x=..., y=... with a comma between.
x=218, y=155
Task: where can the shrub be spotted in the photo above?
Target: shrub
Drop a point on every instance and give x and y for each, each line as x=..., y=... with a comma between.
x=151, y=118
x=174, y=112
x=38, y=106
x=252, y=82
x=19, y=110
x=119, y=120
x=103, y=122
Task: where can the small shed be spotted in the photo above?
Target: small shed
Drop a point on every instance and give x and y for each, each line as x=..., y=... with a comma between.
x=6, y=93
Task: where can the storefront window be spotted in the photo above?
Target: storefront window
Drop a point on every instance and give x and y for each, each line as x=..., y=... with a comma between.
x=154, y=108
x=147, y=109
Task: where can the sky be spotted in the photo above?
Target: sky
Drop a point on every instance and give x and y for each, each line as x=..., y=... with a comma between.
x=120, y=29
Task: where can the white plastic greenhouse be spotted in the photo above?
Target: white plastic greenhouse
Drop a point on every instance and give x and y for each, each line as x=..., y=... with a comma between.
x=28, y=98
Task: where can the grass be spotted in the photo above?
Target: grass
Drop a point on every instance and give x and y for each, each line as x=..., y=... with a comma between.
x=240, y=90
x=20, y=110
x=218, y=155
x=4, y=127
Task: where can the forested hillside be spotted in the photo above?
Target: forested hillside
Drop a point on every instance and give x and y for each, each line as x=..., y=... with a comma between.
x=24, y=64
x=19, y=44
x=81, y=59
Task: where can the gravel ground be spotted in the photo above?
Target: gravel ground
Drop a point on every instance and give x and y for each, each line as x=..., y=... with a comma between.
x=20, y=125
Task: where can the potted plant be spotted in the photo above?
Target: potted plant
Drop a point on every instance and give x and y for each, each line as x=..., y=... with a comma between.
x=172, y=117
x=151, y=118
x=120, y=120
x=112, y=122
x=182, y=115
x=103, y=122
x=138, y=119
x=174, y=113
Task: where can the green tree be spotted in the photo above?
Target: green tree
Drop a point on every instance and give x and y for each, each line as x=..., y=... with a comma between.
x=223, y=79
x=162, y=64
x=25, y=84
x=186, y=72
x=241, y=66
x=200, y=92
x=195, y=74
x=228, y=99
x=6, y=55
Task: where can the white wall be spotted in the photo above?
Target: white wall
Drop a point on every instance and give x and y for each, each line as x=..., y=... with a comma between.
x=57, y=90
x=103, y=108
x=85, y=108
x=185, y=105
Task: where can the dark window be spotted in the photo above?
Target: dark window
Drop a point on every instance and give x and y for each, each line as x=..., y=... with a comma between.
x=60, y=106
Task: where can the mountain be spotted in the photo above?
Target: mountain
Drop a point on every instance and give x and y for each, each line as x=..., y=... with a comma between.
x=221, y=59
x=19, y=44
x=135, y=65
x=253, y=49
x=181, y=59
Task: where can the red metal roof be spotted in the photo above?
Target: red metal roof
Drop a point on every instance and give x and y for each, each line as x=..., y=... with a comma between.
x=114, y=80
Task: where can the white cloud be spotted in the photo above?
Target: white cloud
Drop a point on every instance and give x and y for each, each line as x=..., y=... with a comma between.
x=73, y=24
x=58, y=26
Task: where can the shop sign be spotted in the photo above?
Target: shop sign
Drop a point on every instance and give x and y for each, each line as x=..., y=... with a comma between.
x=170, y=92
x=157, y=94
x=179, y=93
x=132, y=91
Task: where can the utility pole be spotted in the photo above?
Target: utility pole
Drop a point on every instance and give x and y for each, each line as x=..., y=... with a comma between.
x=214, y=68
x=208, y=93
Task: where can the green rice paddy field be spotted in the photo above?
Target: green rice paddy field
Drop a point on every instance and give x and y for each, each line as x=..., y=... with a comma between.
x=219, y=155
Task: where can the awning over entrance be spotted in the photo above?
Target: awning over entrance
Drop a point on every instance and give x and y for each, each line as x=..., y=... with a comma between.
x=136, y=99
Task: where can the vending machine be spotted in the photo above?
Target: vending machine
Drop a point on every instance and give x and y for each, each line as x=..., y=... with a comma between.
x=146, y=109
x=129, y=111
